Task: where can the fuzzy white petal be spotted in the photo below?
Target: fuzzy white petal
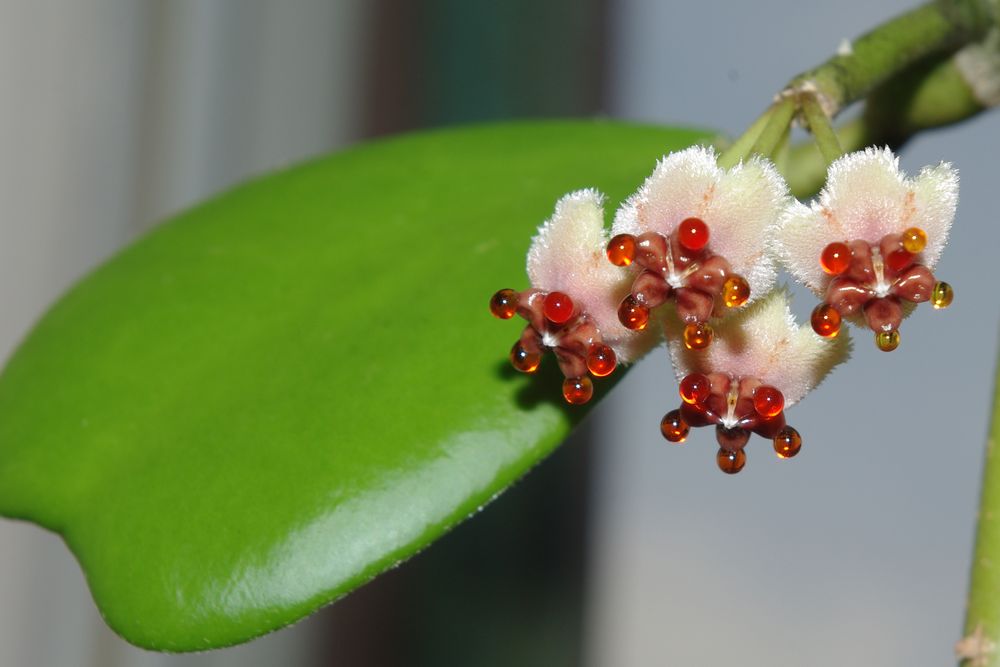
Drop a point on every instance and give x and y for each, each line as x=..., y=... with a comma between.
x=865, y=196
x=763, y=341
x=741, y=208
x=742, y=219
x=935, y=199
x=568, y=255
x=803, y=232
x=679, y=187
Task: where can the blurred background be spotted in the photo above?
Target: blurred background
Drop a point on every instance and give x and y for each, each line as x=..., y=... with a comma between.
x=618, y=550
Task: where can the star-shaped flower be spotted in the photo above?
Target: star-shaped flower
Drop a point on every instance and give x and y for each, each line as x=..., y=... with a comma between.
x=571, y=307
x=868, y=244
x=700, y=236
x=761, y=363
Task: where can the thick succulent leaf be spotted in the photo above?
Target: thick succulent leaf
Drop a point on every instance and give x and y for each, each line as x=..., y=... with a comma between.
x=279, y=394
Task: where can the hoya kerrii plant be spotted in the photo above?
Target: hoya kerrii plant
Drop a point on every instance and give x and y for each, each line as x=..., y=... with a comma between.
x=196, y=532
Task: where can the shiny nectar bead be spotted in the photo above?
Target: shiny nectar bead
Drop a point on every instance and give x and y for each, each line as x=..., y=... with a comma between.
x=621, y=250
x=887, y=341
x=914, y=240
x=601, y=360
x=898, y=260
x=835, y=258
x=731, y=461
x=698, y=335
x=735, y=291
x=825, y=320
x=503, y=305
x=787, y=443
x=695, y=389
x=524, y=361
x=942, y=295
x=768, y=401
x=557, y=307
x=673, y=427
x=692, y=234
x=578, y=391
x=632, y=314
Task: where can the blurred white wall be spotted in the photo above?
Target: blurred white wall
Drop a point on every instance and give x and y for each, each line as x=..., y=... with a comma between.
x=857, y=551
x=115, y=114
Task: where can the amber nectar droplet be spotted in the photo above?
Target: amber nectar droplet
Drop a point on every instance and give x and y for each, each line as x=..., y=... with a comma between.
x=735, y=291
x=835, y=258
x=825, y=320
x=787, y=443
x=524, y=361
x=601, y=360
x=698, y=335
x=503, y=305
x=914, y=240
x=695, y=388
x=578, y=391
x=692, y=233
x=673, y=427
x=887, y=341
x=621, y=250
x=768, y=401
x=632, y=314
x=942, y=296
x=731, y=462
x=557, y=307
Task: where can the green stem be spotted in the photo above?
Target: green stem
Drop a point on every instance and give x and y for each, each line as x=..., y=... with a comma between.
x=778, y=123
x=876, y=57
x=740, y=148
x=982, y=621
x=822, y=131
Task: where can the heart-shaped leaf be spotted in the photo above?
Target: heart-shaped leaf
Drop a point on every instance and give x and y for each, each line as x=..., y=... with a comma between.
x=274, y=397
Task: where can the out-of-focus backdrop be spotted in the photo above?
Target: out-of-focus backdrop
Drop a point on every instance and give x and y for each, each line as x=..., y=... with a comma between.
x=619, y=550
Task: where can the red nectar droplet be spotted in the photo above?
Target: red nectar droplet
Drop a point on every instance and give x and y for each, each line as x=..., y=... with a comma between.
x=557, y=307
x=731, y=461
x=673, y=427
x=601, y=360
x=825, y=320
x=899, y=260
x=632, y=314
x=578, y=391
x=692, y=233
x=503, y=305
x=621, y=250
x=695, y=389
x=835, y=258
x=768, y=401
x=698, y=335
x=523, y=360
x=787, y=443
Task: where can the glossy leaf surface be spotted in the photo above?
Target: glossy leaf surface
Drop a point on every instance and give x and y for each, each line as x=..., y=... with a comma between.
x=281, y=393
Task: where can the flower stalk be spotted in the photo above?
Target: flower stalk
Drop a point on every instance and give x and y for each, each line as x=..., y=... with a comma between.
x=982, y=620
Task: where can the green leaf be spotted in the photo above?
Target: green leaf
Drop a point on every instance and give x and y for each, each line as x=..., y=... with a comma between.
x=277, y=395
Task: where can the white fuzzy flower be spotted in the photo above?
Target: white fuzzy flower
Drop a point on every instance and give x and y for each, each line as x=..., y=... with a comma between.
x=701, y=232
x=868, y=244
x=760, y=363
x=571, y=307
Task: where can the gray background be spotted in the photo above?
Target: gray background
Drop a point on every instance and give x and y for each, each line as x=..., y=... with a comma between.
x=118, y=113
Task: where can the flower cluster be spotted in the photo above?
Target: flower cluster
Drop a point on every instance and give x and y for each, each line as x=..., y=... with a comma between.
x=696, y=250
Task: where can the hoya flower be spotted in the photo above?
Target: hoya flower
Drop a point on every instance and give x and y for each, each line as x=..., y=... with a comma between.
x=761, y=363
x=700, y=236
x=571, y=307
x=868, y=245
